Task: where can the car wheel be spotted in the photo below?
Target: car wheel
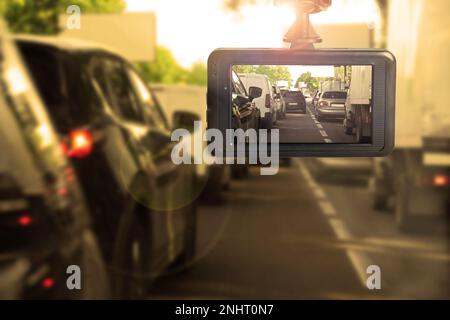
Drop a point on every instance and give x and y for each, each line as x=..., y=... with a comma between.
x=213, y=191
x=403, y=217
x=359, y=128
x=240, y=171
x=132, y=254
x=379, y=201
x=96, y=284
x=348, y=130
x=187, y=256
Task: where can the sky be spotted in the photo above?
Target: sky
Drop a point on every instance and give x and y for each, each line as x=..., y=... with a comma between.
x=192, y=29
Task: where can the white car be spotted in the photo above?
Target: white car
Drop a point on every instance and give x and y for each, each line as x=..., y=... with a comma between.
x=266, y=103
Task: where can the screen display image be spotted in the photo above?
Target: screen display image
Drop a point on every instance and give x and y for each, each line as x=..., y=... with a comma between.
x=308, y=104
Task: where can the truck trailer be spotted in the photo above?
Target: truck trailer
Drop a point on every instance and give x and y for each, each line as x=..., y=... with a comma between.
x=415, y=179
x=358, y=105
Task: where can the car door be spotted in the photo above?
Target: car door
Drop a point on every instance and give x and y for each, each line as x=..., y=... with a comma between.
x=128, y=147
x=177, y=181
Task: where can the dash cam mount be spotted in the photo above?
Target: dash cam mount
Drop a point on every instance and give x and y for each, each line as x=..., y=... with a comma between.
x=301, y=35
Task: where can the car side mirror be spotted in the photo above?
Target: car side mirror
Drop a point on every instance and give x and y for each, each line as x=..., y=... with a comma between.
x=254, y=92
x=241, y=101
x=184, y=119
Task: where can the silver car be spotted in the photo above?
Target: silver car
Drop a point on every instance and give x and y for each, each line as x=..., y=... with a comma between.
x=331, y=104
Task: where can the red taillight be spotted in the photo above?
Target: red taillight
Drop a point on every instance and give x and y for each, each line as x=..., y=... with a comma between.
x=47, y=283
x=81, y=143
x=24, y=220
x=441, y=180
x=323, y=104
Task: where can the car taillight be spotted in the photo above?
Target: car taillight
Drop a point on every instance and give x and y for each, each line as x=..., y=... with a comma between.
x=323, y=104
x=81, y=143
x=441, y=180
x=25, y=220
x=47, y=283
x=432, y=179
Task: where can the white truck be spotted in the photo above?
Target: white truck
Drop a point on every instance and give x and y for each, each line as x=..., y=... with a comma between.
x=330, y=85
x=358, y=107
x=417, y=175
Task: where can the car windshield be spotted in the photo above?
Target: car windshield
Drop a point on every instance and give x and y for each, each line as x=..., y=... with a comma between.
x=334, y=95
x=293, y=94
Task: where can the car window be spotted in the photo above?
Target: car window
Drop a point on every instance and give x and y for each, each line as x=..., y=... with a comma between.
x=151, y=111
x=334, y=95
x=238, y=86
x=293, y=94
x=122, y=96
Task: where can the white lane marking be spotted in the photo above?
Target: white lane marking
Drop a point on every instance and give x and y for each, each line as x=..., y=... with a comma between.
x=358, y=259
x=327, y=208
x=323, y=133
x=319, y=125
x=318, y=192
x=328, y=141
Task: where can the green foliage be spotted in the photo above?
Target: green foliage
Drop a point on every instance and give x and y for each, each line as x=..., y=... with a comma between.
x=311, y=82
x=41, y=17
x=165, y=69
x=274, y=73
x=198, y=74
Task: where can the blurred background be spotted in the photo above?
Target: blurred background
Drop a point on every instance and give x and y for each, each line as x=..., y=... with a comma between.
x=88, y=100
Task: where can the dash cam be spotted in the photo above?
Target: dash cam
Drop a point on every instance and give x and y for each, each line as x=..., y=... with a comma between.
x=322, y=102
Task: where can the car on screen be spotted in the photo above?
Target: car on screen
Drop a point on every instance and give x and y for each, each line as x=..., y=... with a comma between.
x=245, y=112
x=119, y=141
x=331, y=105
x=295, y=101
x=266, y=102
x=45, y=224
x=280, y=102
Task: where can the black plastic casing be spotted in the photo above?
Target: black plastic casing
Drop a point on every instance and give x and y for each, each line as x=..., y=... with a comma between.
x=221, y=61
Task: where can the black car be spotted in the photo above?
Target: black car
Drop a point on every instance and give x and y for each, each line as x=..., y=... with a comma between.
x=144, y=206
x=44, y=219
x=295, y=101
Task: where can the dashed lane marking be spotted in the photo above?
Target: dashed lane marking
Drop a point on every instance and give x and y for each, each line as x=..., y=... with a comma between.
x=358, y=260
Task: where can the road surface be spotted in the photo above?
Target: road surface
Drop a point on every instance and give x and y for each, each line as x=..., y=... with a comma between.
x=305, y=128
x=290, y=237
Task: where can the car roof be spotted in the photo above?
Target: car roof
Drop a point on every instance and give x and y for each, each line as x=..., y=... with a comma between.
x=64, y=44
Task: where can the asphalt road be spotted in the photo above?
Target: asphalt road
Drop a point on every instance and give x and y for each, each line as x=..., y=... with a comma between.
x=290, y=237
x=305, y=128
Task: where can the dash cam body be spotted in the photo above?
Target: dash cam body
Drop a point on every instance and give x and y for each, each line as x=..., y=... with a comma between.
x=323, y=102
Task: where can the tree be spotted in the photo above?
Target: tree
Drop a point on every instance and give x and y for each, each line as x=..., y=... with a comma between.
x=311, y=82
x=244, y=69
x=274, y=73
x=164, y=69
x=41, y=17
x=198, y=74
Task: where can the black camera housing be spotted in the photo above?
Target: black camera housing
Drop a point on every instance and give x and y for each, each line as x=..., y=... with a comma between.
x=383, y=64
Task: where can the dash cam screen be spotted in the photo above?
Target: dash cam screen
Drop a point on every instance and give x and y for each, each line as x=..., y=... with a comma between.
x=308, y=104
